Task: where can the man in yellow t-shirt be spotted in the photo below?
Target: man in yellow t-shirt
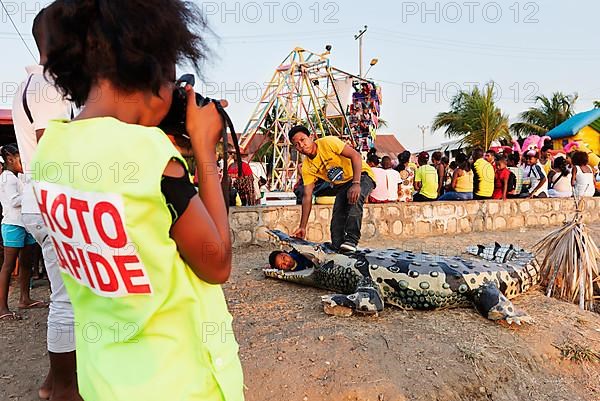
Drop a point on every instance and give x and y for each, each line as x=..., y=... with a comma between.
x=333, y=161
x=545, y=159
x=426, y=180
x=483, y=176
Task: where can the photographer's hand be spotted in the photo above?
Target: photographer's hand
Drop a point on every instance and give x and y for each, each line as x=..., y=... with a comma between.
x=204, y=123
x=202, y=233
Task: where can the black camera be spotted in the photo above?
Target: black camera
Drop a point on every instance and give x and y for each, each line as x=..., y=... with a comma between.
x=174, y=122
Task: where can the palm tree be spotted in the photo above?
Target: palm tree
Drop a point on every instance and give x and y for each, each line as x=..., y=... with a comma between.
x=597, y=104
x=549, y=114
x=383, y=124
x=475, y=118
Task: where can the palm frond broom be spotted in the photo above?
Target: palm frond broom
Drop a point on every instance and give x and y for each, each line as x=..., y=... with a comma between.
x=569, y=270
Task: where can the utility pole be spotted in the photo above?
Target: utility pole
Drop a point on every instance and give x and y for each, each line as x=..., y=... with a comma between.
x=359, y=37
x=423, y=128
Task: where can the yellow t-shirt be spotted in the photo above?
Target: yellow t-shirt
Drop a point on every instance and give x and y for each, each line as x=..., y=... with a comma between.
x=547, y=166
x=484, y=177
x=464, y=183
x=329, y=164
x=428, y=176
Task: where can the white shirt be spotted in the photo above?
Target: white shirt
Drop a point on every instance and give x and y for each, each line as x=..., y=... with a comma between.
x=393, y=181
x=584, y=183
x=380, y=192
x=536, y=173
x=11, y=191
x=45, y=104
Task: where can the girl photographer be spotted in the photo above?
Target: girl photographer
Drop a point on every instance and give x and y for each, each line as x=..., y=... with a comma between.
x=142, y=253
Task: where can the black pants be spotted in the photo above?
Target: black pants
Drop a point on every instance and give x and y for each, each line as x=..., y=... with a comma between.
x=346, y=220
x=479, y=197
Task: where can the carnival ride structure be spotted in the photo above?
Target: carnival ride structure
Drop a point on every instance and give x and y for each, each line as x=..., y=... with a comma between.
x=304, y=89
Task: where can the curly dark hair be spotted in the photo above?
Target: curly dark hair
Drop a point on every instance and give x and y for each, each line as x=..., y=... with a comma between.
x=580, y=158
x=133, y=44
x=38, y=28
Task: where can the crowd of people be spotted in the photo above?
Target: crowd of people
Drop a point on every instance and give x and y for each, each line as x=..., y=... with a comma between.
x=482, y=175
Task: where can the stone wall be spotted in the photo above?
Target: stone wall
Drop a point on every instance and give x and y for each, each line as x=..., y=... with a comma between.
x=402, y=220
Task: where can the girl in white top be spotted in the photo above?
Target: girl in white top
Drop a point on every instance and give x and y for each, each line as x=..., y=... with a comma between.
x=560, y=180
x=583, y=175
x=17, y=241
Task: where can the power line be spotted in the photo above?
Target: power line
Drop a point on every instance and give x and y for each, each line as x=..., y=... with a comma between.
x=297, y=38
x=486, y=52
x=290, y=34
x=17, y=30
x=432, y=39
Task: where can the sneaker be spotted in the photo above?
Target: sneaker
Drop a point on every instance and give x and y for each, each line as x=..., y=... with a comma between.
x=347, y=247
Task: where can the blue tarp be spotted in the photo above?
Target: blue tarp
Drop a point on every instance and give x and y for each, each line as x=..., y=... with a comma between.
x=574, y=124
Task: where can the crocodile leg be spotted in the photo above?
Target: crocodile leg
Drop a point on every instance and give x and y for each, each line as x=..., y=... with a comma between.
x=366, y=300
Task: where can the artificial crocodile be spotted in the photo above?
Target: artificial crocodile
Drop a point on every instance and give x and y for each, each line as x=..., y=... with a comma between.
x=368, y=278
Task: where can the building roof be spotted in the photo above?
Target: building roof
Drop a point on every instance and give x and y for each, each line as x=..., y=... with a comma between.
x=7, y=132
x=255, y=144
x=6, y=117
x=445, y=146
x=388, y=145
x=575, y=124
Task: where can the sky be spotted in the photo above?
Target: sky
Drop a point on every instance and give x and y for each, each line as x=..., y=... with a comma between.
x=427, y=51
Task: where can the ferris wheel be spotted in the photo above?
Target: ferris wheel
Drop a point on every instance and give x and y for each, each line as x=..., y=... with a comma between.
x=305, y=89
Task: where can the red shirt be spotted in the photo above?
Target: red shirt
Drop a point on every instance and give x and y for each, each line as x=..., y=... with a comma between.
x=501, y=175
x=233, y=169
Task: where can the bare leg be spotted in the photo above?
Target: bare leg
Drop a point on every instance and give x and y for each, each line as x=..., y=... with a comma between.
x=61, y=380
x=36, y=259
x=45, y=390
x=25, y=259
x=64, y=378
x=10, y=260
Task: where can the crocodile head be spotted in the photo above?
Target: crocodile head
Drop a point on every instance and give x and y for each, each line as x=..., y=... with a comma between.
x=333, y=271
x=490, y=302
x=306, y=276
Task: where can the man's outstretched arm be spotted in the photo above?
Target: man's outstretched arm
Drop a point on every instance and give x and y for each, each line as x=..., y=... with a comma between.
x=306, y=208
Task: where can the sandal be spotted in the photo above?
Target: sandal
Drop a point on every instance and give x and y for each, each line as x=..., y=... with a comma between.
x=10, y=316
x=35, y=305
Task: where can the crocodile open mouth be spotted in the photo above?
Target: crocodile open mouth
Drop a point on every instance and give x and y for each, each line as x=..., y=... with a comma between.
x=289, y=275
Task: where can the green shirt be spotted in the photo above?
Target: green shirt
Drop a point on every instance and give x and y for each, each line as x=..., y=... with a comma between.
x=147, y=328
x=428, y=176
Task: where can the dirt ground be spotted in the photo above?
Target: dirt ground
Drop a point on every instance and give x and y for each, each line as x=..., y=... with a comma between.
x=291, y=350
